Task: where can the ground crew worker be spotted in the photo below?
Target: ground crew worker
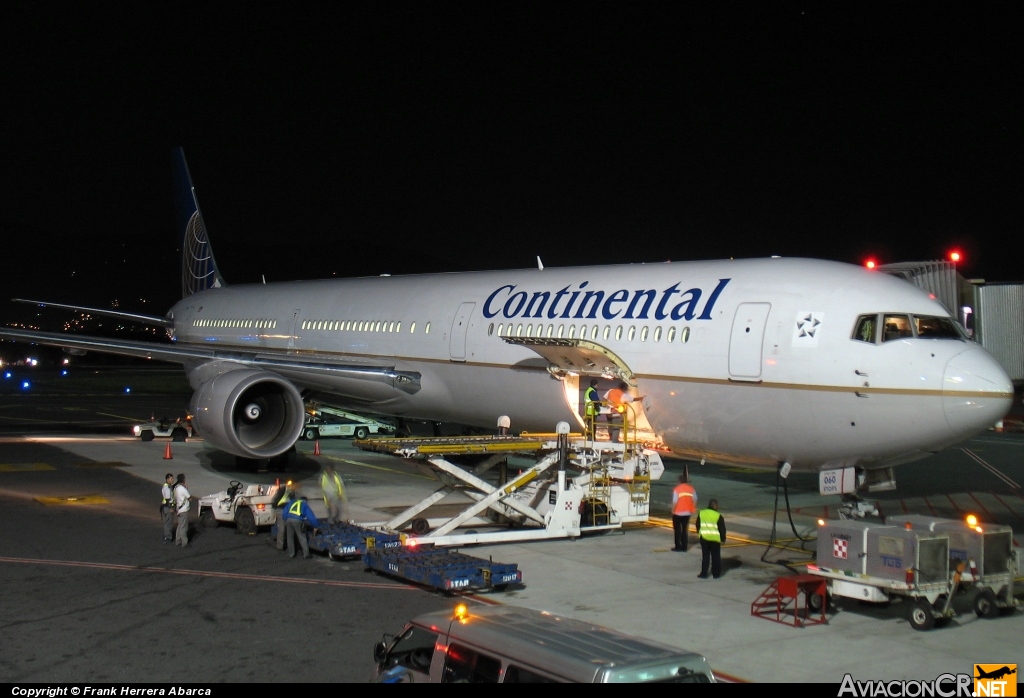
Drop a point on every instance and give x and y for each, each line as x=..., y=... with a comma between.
x=182, y=506
x=592, y=404
x=281, y=505
x=334, y=493
x=710, y=527
x=617, y=398
x=684, y=504
x=295, y=514
x=167, y=507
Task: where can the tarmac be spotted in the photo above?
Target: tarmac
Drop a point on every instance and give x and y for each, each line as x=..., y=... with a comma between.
x=632, y=581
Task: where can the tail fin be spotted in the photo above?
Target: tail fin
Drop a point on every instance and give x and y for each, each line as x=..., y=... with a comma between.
x=198, y=267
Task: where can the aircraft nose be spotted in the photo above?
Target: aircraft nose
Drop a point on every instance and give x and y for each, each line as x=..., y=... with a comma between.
x=976, y=392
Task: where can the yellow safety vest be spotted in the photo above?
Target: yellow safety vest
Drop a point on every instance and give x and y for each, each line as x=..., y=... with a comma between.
x=709, y=525
x=325, y=481
x=296, y=509
x=592, y=401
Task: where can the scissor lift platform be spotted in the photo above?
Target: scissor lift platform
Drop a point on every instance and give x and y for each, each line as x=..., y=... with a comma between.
x=545, y=501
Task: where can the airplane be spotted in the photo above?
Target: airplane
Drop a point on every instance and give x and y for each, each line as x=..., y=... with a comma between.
x=995, y=673
x=780, y=363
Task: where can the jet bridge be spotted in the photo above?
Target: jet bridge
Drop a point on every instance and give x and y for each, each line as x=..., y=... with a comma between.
x=575, y=486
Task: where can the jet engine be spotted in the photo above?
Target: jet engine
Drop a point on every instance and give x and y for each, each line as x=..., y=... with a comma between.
x=249, y=413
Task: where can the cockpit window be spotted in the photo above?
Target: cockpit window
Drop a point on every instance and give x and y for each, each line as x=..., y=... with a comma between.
x=896, y=327
x=936, y=327
x=868, y=328
x=865, y=331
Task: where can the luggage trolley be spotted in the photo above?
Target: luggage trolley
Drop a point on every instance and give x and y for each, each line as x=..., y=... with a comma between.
x=984, y=555
x=875, y=562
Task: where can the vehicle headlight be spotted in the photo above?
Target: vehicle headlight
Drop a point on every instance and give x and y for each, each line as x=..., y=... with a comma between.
x=137, y=430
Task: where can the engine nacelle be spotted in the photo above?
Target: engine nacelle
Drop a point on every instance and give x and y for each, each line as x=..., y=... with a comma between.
x=249, y=413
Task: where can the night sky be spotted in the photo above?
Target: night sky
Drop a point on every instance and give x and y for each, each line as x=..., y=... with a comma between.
x=353, y=139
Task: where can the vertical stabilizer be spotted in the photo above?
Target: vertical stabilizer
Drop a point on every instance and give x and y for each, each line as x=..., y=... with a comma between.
x=198, y=267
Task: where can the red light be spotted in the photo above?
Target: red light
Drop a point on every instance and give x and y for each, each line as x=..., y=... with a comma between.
x=954, y=256
x=870, y=264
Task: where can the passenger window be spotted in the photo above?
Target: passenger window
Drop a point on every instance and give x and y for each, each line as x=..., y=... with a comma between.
x=515, y=674
x=657, y=334
x=463, y=665
x=865, y=329
x=896, y=327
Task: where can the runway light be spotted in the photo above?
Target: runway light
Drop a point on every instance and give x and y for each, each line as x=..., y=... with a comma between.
x=127, y=390
x=64, y=372
x=25, y=385
x=7, y=374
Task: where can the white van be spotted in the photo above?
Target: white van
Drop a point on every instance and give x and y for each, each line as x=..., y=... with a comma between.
x=506, y=644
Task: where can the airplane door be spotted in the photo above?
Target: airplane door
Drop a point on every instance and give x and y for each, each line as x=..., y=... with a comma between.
x=745, y=343
x=457, y=341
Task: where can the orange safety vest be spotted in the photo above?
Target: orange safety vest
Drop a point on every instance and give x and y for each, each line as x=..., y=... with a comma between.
x=685, y=497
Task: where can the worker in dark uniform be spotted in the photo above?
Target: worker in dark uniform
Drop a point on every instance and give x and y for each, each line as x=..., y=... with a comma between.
x=280, y=506
x=710, y=527
x=592, y=408
x=295, y=515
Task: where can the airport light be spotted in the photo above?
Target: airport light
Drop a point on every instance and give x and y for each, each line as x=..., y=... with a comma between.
x=870, y=263
x=25, y=385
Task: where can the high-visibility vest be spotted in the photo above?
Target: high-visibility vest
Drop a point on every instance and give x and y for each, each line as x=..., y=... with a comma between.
x=295, y=510
x=591, y=401
x=709, y=525
x=325, y=485
x=685, y=496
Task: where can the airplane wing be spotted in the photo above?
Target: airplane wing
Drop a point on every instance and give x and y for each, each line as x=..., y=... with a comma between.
x=150, y=320
x=375, y=371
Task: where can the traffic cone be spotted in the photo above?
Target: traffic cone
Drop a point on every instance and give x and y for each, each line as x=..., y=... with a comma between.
x=167, y=452
x=316, y=447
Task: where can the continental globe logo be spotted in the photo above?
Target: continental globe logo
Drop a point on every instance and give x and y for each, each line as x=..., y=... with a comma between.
x=995, y=680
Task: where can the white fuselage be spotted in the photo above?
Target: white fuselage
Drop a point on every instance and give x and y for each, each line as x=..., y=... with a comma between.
x=736, y=361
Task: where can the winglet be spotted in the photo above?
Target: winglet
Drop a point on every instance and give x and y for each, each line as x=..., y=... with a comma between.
x=198, y=267
x=540, y=264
